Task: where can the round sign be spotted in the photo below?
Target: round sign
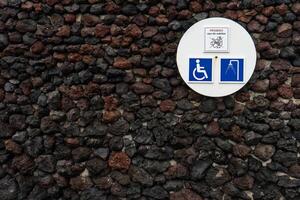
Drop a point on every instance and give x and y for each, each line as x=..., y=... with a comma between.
x=216, y=57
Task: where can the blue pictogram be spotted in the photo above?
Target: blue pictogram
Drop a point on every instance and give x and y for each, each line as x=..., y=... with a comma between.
x=200, y=69
x=232, y=70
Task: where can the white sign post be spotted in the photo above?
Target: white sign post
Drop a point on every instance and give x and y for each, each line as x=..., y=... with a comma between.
x=216, y=57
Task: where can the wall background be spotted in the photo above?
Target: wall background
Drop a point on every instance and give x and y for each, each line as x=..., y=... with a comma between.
x=92, y=105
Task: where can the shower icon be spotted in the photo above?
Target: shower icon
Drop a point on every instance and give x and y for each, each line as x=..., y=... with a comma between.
x=232, y=70
x=231, y=67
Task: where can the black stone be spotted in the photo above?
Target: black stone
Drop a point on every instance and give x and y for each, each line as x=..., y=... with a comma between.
x=199, y=168
x=8, y=188
x=156, y=192
x=129, y=9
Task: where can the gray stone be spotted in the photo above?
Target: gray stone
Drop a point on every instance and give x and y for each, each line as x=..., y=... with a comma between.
x=201, y=16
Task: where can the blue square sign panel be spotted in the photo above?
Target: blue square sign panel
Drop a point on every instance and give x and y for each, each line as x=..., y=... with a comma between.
x=200, y=70
x=232, y=70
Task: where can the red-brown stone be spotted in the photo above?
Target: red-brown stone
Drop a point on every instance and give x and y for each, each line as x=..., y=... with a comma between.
x=296, y=8
x=282, y=9
x=262, y=19
x=63, y=31
x=195, y=6
x=154, y=11
x=90, y=20
x=285, y=91
x=111, y=116
x=262, y=46
x=133, y=31
x=112, y=8
x=74, y=57
x=110, y=103
x=74, y=92
x=260, y=85
x=142, y=88
x=27, y=5
x=264, y=151
x=70, y=18
x=119, y=160
x=37, y=47
x=268, y=11
x=284, y=30
x=13, y=147
x=254, y=26
x=149, y=31
x=213, y=129
x=167, y=105
x=122, y=63
x=101, y=30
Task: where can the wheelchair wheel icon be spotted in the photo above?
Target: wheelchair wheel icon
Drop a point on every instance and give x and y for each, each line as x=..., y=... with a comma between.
x=199, y=72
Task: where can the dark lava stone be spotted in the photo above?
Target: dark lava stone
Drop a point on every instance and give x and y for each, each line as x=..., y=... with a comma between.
x=3, y=41
x=92, y=194
x=208, y=105
x=156, y=192
x=199, y=168
x=289, y=17
x=81, y=153
x=8, y=188
x=287, y=52
x=285, y=158
x=46, y=163
x=96, y=165
x=217, y=176
x=237, y=166
x=120, y=127
x=271, y=26
x=116, y=143
x=34, y=146
x=140, y=175
x=26, y=25
x=97, y=8
x=129, y=9
x=252, y=138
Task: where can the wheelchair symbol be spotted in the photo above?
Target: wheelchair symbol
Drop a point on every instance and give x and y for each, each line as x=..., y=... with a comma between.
x=199, y=70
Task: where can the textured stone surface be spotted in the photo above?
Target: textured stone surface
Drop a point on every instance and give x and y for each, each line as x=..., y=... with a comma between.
x=92, y=105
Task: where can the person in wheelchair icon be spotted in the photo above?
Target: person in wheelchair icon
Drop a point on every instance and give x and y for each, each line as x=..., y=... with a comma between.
x=200, y=70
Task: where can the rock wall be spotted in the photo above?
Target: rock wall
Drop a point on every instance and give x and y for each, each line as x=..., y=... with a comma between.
x=92, y=105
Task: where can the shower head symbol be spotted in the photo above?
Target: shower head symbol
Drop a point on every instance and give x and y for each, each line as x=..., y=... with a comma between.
x=231, y=68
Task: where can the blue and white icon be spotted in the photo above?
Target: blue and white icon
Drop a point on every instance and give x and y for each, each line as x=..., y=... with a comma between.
x=200, y=70
x=232, y=70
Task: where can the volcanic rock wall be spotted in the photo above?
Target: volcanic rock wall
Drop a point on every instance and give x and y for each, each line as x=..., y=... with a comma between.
x=92, y=105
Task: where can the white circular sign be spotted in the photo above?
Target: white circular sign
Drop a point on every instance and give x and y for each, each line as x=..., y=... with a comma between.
x=216, y=57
